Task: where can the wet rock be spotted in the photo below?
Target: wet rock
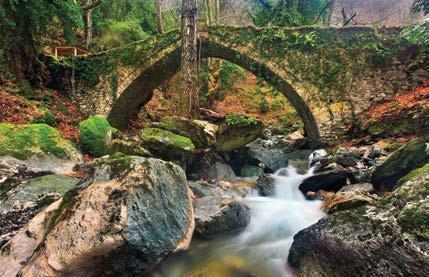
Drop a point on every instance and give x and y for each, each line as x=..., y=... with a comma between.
x=198, y=164
x=211, y=130
x=389, y=238
x=238, y=131
x=251, y=171
x=220, y=171
x=18, y=251
x=202, y=189
x=186, y=128
x=266, y=185
x=95, y=135
x=122, y=226
x=316, y=156
x=346, y=160
x=219, y=215
x=328, y=181
x=22, y=202
x=349, y=197
x=166, y=144
x=270, y=153
x=129, y=147
x=407, y=158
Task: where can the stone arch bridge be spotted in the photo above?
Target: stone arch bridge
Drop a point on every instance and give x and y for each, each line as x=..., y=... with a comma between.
x=329, y=75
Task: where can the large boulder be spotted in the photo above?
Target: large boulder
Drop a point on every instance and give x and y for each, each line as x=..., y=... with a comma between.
x=219, y=215
x=220, y=172
x=95, y=135
x=237, y=131
x=407, y=158
x=328, y=181
x=389, y=238
x=166, y=144
x=187, y=128
x=270, y=153
x=18, y=204
x=37, y=147
x=135, y=212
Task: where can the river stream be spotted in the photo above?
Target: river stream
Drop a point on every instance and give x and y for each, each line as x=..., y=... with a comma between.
x=262, y=248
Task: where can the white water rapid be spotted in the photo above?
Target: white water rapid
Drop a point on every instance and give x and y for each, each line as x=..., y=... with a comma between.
x=262, y=248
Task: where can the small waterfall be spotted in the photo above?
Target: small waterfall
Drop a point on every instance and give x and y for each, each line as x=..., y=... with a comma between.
x=262, y=248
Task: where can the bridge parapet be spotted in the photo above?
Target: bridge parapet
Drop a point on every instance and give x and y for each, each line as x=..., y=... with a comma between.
x=330, y=75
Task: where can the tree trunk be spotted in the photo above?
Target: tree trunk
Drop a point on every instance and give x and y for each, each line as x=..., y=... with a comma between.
x=189, y=100
x=88, y=28
x=208, y=8
x=21, y=56
x=159, y=24
x=217, y=12
x=88, y=9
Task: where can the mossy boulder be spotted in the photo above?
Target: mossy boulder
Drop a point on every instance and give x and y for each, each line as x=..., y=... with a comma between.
x=237, y=131
x=407, y=158
x=134, y=220
x=129, y=147
x=95, y=135
x=251, y=171
x=166, y=144
x=25, y=141
x=186, y=128
x=386, y=238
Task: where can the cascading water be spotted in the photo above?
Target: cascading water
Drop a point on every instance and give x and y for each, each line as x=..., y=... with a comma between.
x=262, y=248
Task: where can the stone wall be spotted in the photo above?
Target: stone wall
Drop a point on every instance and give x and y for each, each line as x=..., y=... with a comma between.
x=329, y=74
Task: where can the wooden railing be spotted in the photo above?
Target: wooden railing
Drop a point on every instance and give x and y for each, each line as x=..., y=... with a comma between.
x=67, y=51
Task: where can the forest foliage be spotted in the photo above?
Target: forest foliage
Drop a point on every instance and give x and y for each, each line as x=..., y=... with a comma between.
x=27, y=27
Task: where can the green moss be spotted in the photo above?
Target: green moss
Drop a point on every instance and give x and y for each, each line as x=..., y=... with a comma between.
x=186, y=128
x=119, y=162
x=165, y=142
x=95, y=135
x=407, y=158
x=415, y=174
x=242, y=120
x=31, y=190
x=415, y=220
x=23, y=141
x=47, y=118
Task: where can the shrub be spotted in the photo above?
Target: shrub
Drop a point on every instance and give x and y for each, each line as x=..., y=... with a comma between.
x=264, y=106
x=47, y=118
x=117, y=33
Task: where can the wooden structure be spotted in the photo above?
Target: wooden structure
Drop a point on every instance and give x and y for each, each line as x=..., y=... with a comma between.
x=67, y=51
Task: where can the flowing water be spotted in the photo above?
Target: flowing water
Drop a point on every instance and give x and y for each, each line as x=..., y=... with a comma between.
x=262, y=248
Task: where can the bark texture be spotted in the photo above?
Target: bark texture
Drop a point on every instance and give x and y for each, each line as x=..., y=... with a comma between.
x=189, y=100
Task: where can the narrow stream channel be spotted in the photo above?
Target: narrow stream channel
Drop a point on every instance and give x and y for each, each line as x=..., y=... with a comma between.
x=262, y=248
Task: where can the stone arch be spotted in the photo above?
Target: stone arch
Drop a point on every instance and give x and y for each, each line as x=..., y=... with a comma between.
x=163, y=67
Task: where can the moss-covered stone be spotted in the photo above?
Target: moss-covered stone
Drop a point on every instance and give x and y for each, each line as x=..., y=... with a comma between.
x=25, y=141
x=390, y=235
x=129, y=147
x=187, y=128
x=166, y=143
x=407, y=158
x=95, y=134
x=238, y=131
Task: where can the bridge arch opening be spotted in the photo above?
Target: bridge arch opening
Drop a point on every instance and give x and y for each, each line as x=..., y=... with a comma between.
x=140, y=91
